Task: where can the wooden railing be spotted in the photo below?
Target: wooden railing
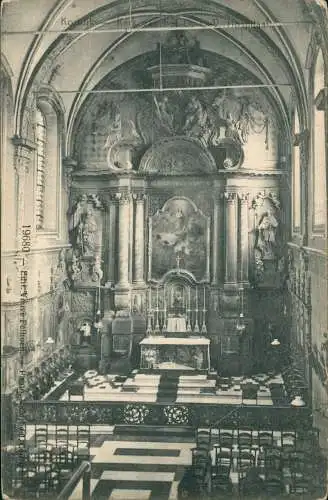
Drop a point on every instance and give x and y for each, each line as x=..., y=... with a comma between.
x=82, y=472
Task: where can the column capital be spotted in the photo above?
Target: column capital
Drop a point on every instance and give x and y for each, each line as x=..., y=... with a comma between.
x=230, y=196
x=24, y=149
x=122, y=196
x=139, y=196
x=243, y=196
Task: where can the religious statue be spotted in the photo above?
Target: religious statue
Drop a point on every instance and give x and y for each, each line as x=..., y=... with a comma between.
x=177, y=307
x=267, y=229
x=196, y=121
x=88, y=233
x=97, y=272
x=74, y=225
x=165, y=114
x=76, y=268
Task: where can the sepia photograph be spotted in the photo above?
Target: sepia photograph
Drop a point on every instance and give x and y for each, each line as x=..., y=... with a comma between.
x=164, y=257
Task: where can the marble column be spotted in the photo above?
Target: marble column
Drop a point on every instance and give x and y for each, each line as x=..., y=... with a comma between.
x=112, y=239
x=215, y=241
x=139, y=238
x=124, y=207
x=231, y=237
x=243, y=237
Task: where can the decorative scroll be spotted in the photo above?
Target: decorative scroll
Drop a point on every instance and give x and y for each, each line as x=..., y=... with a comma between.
x=179, y=239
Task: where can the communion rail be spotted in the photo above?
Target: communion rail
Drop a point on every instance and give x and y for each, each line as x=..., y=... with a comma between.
x=164, y=414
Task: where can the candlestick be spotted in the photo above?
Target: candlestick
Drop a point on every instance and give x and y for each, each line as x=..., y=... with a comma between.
x=196, y=327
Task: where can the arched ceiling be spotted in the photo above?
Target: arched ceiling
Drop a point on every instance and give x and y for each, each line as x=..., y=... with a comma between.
x=73, y=44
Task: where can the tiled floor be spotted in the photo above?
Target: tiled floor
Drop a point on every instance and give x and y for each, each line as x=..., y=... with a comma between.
x=137, y=470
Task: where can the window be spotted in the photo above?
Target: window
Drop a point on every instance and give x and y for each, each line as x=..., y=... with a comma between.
x=319, y=149
x=48, y=126
x=296, y=175
x=41, y=148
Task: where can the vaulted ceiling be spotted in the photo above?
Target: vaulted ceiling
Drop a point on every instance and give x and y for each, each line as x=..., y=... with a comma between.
x=73, y=44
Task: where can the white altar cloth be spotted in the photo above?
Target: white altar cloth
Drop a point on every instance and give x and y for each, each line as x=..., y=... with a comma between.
x=159, y=340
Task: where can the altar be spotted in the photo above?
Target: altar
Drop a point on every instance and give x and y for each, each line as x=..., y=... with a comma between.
x=175, y=353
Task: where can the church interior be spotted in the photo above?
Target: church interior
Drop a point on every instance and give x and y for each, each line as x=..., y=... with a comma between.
x=164, y=260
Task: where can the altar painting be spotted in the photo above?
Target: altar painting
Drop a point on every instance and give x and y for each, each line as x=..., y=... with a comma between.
x=179, y=239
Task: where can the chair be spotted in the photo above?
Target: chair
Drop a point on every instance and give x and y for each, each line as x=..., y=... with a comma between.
x=203, y=438
x=223, y=456
x=244, y=439
x=83, y=441
x=249, y=391
x=265, y=439
x=41, y=436
x=250, y=482
x=76, y=389
x=273, y=484
x=226, y=439
x=61, y=437
x=245, y=459
x=272, y=460
x=299, y=485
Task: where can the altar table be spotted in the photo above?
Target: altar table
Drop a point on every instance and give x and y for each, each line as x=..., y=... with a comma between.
x=175, y=353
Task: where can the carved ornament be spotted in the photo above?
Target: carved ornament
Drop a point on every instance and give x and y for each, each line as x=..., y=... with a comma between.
x=177, y=156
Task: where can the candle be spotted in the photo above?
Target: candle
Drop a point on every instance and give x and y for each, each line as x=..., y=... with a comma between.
x=196, y=298
x=189, y=300
x=204, y=298
x=149, y=299
x=157, y=299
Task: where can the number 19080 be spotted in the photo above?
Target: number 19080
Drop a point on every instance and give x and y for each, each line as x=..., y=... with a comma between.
x=26, y=239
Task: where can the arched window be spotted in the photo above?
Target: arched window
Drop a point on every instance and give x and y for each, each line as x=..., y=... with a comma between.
x=48, y=166
x=41, y=149
x=296, y=176
x=319, y=147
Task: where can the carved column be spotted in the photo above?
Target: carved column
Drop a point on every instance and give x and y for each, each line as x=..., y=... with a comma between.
x=231, y=237
x=243, y=237
x=124, y=202
x=139, y=238
x=24, y=149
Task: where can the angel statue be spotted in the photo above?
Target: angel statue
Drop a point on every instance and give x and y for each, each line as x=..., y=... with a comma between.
x=164, y=114
x=115, y=131
x=196, y=121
